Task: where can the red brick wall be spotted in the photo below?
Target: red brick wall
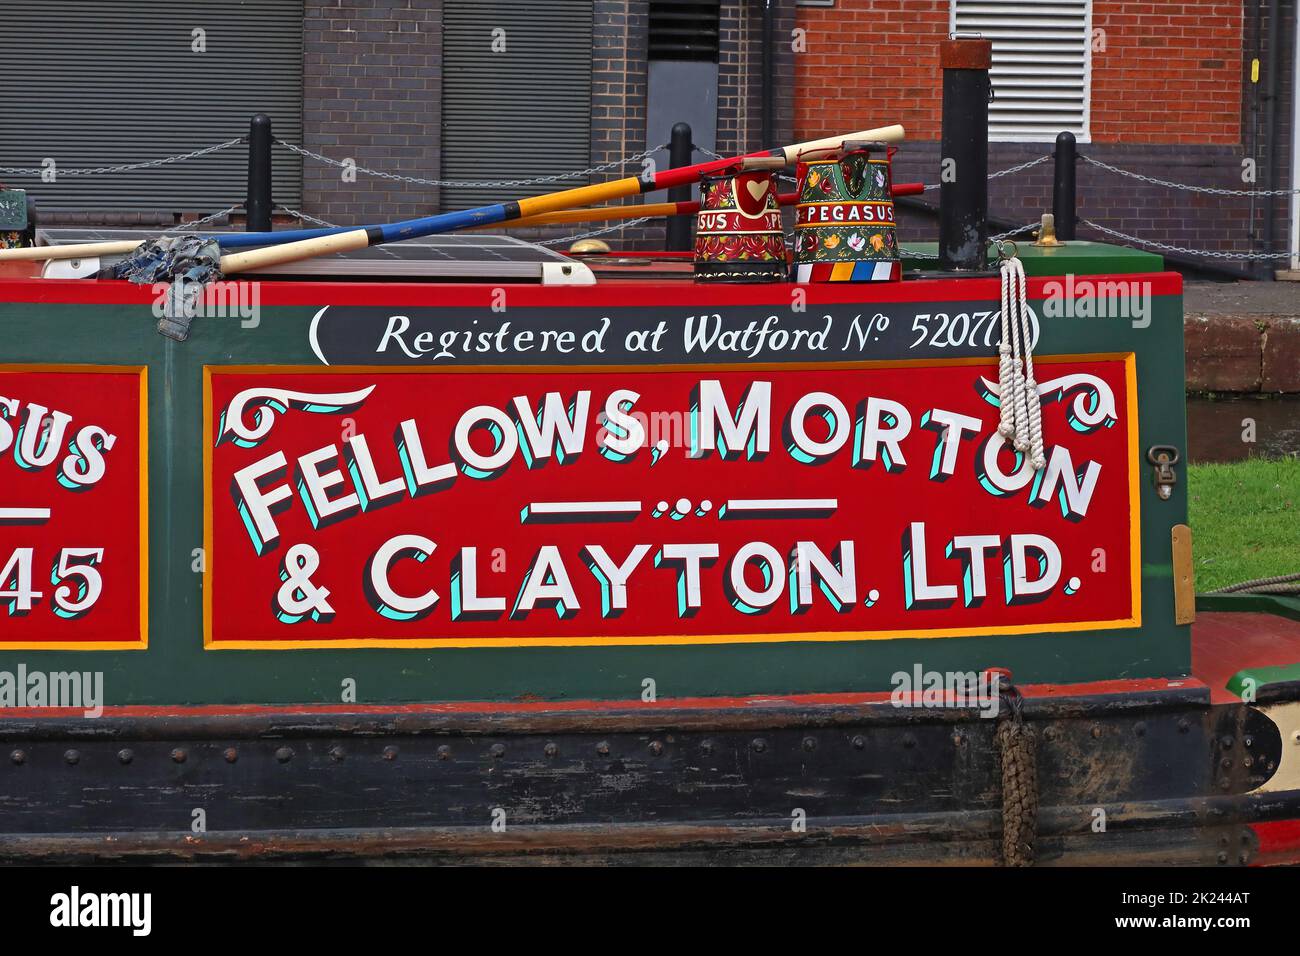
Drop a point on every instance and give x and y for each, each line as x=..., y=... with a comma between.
x=867, y=63
x=1171, y=71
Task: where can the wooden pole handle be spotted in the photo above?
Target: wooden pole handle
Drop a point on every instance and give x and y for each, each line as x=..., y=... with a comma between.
x=821, y=148
x=294, y=251
x=81, y=250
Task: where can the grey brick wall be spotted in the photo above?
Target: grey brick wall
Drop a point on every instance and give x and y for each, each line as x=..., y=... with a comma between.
x=740, y=76
x=373, y=94
x=1191, y=220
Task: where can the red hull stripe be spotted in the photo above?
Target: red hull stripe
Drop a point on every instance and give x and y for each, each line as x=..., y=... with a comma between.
x=1279, y=843
x=120, y=292
x=1046, y=691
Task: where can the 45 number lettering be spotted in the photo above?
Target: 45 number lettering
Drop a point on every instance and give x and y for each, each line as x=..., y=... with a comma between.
x=74, y=578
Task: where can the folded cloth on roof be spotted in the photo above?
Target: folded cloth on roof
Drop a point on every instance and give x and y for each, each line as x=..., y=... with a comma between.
x=189, y=263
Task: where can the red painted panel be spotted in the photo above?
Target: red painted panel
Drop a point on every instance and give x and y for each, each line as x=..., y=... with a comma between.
x=275, y=546
x=1279, y=843
x=1226, y=642
x=72, y=507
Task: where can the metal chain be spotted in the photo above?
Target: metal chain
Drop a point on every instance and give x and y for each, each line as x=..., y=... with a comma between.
x=187, y=226
x=127, y=167
x=1208, y=190
x=913, y=254
x=1164, y=246
x=472, y=184
x=1009, y=171
x=306, y=218
x=1011, y=232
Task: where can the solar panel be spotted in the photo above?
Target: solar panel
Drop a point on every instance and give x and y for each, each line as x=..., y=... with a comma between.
x=446, y=257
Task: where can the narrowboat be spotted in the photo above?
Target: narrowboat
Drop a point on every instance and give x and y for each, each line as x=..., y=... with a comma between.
x=467, y=549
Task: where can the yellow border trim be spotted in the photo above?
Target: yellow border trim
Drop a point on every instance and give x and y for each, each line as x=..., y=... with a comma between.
x=1135, y=544
x=143, y=481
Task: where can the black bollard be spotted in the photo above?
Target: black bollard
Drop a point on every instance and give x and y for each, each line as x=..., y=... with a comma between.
x=679, y=154
x=1063, y=186
x=258, y=203
x=964, y=158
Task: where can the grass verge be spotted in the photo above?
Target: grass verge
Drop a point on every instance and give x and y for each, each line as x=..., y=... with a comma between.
x=1245, y=519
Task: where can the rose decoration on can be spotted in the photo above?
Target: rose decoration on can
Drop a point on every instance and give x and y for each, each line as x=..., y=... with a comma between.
x=844, y=218
x=738, y=231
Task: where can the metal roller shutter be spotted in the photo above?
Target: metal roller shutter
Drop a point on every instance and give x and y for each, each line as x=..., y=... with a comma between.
x=518, y=113
x=92, y=84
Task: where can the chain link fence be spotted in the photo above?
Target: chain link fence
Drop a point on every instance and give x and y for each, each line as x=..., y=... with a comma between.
x=1168, y=184
x=473, y=183
x=125, y=167
x=642, y=158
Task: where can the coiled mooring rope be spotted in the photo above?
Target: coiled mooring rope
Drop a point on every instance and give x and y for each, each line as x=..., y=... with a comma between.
x=1278, y=584
x=1017, y=759
x=1021, y=413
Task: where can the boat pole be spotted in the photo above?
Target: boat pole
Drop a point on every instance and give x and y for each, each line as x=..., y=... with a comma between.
x=344, y=241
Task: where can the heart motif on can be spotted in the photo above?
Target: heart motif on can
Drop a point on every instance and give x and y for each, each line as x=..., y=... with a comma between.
x=757, y=187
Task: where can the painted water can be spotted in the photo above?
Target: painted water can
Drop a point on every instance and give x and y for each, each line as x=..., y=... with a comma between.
x=738, y=231
x=15, y=223
x=844, y=218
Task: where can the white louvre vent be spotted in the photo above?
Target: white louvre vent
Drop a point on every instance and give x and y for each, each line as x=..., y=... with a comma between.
x=1041, y=64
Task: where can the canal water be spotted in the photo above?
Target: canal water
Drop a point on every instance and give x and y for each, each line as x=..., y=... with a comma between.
x=1222, y=428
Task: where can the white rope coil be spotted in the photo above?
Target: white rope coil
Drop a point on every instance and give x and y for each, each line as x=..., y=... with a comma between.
x=1020, y=410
